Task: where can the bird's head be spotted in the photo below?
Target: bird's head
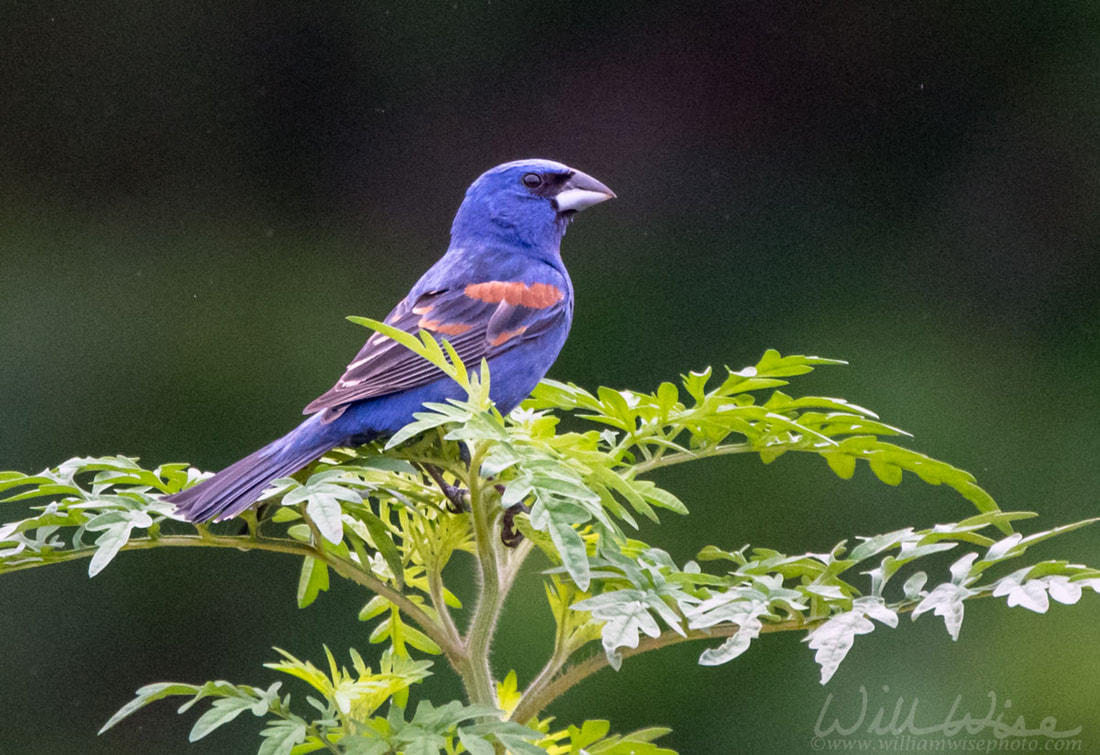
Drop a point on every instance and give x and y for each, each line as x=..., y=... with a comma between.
x=526, y=203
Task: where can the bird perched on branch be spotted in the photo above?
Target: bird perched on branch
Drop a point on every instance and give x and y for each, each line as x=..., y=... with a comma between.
x=500, y=292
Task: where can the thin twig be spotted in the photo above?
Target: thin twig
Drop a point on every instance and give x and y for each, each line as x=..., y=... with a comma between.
x=439, y=602
x=680, y=457
x=346, y=569
x=435, y=574
x=545, y=689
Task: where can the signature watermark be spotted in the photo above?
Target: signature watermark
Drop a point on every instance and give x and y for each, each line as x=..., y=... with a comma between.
x=894, y=723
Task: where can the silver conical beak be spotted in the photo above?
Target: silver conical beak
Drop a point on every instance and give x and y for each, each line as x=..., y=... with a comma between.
x=581, y=191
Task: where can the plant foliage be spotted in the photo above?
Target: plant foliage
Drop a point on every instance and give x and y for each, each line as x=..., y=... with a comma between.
x=460, y=477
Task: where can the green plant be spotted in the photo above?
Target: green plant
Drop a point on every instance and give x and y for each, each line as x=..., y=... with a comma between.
x=461, y=478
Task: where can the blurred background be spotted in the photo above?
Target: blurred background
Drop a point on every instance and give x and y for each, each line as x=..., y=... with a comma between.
x=194, y=195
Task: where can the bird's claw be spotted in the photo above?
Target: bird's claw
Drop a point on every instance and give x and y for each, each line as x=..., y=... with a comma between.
x=458, y=499
x=509, y=535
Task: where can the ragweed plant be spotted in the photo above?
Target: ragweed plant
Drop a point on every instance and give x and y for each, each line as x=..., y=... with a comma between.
x=390, y=516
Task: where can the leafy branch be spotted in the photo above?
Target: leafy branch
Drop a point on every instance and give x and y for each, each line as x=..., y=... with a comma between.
x=460, y=477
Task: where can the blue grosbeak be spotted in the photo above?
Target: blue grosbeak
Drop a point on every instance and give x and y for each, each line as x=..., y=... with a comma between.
x=500, y=292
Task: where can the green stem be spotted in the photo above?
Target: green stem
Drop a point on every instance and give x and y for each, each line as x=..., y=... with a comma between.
x=346, y=569
x=543, y=681
x=680, y=457
x=513, y=563
x=435, y=591
x=550, y=685
x=476, y=673
x=435, y=564
x=547, y=688
x=318, y=732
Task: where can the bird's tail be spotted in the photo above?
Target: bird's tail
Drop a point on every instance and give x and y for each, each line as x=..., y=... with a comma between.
x=237, y=487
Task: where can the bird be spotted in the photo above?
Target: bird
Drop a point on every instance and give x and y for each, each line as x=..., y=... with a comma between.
x=500, y=292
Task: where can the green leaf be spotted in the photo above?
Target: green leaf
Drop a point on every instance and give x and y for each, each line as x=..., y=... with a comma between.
x=667, y=398
x=423, y=421
x=326, y=513
x=626, y=616
x=843, y=465
x=408, y=340
x=148, y=694
x=108, y=545
x=946, y=600
x=313, y=580
x=280, y=737
x=419, y=640
x=832, y=640
x=385, y=545
x=695, y=383
x=474, y=744
x=589, y=733
x=660, y=497
x=223, y=711
x=555, y=395
x=581, y=486
x=885, y=471
x=374, y=608
x=557, y=517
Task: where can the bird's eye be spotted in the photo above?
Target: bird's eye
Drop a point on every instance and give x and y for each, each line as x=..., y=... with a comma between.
x=532, y=180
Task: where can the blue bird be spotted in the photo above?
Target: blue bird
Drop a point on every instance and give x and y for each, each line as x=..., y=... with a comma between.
x=501, y=292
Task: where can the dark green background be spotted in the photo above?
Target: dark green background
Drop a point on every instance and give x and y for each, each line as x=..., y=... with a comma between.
x=194, y=195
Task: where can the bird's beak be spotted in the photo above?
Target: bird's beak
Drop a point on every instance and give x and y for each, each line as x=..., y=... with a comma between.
x=581, y=191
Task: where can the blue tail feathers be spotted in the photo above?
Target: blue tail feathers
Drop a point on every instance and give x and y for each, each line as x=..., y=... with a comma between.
x=239, y=485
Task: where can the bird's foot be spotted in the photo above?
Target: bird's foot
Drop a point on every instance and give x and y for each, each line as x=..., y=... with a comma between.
x=458, y=499
x=509, y=535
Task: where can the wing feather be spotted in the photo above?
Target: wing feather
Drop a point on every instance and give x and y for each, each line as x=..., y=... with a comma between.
x=480, y=321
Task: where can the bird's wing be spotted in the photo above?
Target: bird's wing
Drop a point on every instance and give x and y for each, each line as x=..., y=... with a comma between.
x=479, y=319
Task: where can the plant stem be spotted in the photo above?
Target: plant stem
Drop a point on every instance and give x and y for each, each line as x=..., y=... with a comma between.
x=319, y=733
x=550, y=685
x=476, y=673
x=546, y=688
x=346, y=569
x=513, y=563
x=435, y=565
x=435, y=591
x=541, y=682
x=682, y=456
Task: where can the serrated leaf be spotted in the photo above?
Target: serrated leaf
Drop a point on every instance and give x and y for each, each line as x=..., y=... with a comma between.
x=626, y=616
x=280, y=737
x=695, y=383
x=832, y=640
x=734, y=646
x=946, y=600
x=588, y=734
x=1031, y=595
x=1062, y=590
